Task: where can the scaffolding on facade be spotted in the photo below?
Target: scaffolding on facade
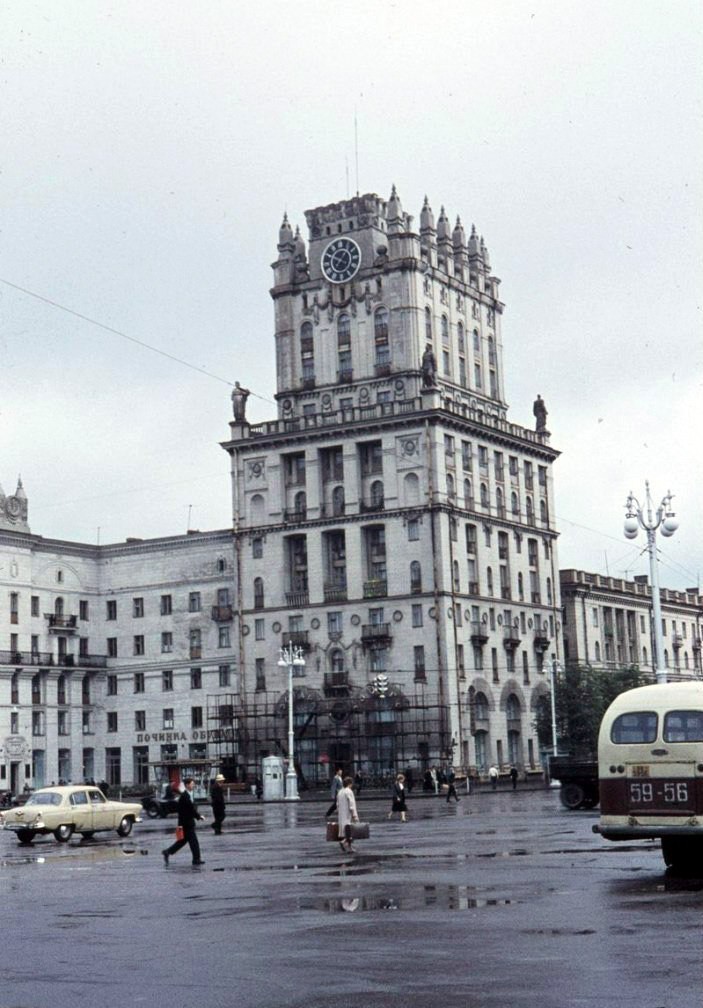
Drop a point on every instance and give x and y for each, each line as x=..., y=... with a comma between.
x=376, y=733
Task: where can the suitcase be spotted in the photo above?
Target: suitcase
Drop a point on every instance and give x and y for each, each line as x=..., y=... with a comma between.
x=360, y=831
x=332, y=831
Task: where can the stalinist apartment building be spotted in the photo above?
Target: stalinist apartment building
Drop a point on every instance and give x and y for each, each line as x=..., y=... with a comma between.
x=391, y=521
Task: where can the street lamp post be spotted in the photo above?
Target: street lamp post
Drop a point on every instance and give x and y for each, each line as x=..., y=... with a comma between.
x=643, y=516
x=291, y=658
x=553, y=682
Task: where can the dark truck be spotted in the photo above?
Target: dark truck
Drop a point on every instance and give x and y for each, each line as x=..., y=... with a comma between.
x=578, y=778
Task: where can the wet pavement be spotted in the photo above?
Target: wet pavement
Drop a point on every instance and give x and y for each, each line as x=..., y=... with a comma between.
x=502, y=900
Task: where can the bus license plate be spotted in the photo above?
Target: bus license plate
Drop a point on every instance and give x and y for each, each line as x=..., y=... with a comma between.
x=655, y=795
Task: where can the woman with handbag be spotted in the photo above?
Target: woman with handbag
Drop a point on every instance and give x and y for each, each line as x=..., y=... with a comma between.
x=346, y=814
x=399, y=798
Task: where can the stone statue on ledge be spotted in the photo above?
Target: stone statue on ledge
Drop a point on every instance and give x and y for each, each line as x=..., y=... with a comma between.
x=540, y=413
x=239, y=402
x=429, y=368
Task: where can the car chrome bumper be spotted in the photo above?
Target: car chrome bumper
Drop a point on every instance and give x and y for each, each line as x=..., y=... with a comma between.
x=627, y=832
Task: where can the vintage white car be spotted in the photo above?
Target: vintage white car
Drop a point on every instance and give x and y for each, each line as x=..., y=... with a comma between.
x=64, y=811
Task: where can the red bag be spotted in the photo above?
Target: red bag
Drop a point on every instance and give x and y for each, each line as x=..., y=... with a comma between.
x=180, y=834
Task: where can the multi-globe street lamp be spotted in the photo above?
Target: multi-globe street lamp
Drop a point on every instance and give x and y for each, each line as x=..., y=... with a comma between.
x=664, y=520
x=292, y=659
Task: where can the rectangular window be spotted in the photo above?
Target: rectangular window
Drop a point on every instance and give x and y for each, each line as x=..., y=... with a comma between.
x=139, y=682
x=14, y=607
x=112, y=685
x=138, y=644
x=112, y=721
x=259, y=629
x=417, y=615
x=223, y=639
x=196, y=678
x=167, y=680
x=166, y=605
x=82, y=609
x=594, y=617
x=62, y=722
x=38, y=723
x=194, y=602
x=140, y=720
x=260, y=675
x=413, y=529
x=35, y=605
x=111, y=609
x=167, y=718
x=460, y=661
x=137, y=608
x=334, y=622
x=223, y=675
x=196, y=717
x=466, y=456
x=195, y=643
x=166, y=642
x=257, y=548
x=112, y=647
x=419, y=661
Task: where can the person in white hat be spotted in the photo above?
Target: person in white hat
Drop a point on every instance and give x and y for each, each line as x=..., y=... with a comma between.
x=217, y=800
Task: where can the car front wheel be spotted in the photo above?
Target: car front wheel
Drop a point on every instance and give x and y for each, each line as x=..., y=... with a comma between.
x=25, y=836
x=153, y=811
x=125, y=827
x=64, y=833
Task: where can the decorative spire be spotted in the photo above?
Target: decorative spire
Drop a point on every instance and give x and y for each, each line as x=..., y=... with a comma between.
x=285, y=234
x=300, y=251
x=458, y=236
x=19, y=492
x=394, y=212
x=426, y=218
x=473, y=242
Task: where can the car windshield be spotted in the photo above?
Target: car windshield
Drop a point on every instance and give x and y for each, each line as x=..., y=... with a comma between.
x=45, y=798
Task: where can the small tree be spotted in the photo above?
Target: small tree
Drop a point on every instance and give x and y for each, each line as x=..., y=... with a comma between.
x=582, y=696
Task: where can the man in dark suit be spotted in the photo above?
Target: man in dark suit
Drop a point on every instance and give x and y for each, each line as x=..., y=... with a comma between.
x=187, y=816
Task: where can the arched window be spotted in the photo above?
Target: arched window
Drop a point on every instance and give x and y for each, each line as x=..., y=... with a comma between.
x=460, y=337
x=445, y=331
x=451, y=493
x=377, y=494
x=428, y=325
x=411, y=488
x=499, y=503
x=481, y=707
x=514, y=504
x=257, y=510
x=512, y=708
x=300, y=505
x=415, y=576
x=258, y=593
x=529, y=511
x=343, y=330
x=491, y=351
x=468, y=494
x=380, y=324
x=338, y=500
x=543, y=510
x=484, y=495
x=337, y=660
x=455, y=575
x=489, y=580
x=666, y=659
x=306, y=331
x=307, y=353
x=520, y=587
x=644, y=655
x=481, y=747
x=58, y=607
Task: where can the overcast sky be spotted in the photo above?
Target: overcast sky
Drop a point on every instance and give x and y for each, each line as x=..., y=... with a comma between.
x=148, y=151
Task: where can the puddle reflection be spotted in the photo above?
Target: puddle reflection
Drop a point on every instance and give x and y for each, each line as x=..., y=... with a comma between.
x=434, y=897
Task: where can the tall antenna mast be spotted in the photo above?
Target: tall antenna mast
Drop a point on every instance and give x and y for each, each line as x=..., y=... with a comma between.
x=346, y=168
x=356, y=151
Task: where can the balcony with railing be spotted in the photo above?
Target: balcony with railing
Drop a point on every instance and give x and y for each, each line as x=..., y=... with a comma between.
x=61, y=624
x=296, y=599
x=222, y=613
x=335, y=592
x=511, y=637
x=295, y=514
x=345, y=376
x=375, y=504
x=296, y=639
x=47, y=659
x=541, y=638
x=336, y=684
x=676, y=641
x=479, y=632
x=376, y=634
x=378, y=588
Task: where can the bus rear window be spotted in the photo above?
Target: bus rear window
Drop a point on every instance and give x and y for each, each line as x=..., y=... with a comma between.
x=683, y=726
x=638, y=726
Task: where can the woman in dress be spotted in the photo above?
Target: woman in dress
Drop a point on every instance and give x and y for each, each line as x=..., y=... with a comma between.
x=346, y=814
x=399, y=798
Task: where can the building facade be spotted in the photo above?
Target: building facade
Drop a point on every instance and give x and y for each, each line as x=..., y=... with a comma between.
x=608, y=623
x=391, y=521
x=112, y=656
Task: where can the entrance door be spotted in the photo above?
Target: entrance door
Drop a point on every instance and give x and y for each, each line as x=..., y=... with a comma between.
x=15, y=778
x=340, y=754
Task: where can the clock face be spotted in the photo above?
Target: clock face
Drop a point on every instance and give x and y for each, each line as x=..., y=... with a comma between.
x=341, y=260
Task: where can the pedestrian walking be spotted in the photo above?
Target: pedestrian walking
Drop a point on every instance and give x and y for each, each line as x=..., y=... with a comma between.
x=188, y=815
x=451, y=785
x=493, y=776
x=217, y=800
x=433, y=778
x=358, y=783
x=335, y=787
x=513, y=776
x=346, y=814
x=399, y=795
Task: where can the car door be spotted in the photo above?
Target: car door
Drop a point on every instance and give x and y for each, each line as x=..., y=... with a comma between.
x=102, y=816
x=81, y=812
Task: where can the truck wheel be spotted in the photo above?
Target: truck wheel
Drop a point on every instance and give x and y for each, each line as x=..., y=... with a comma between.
x=683, y=854
x=572, y=795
